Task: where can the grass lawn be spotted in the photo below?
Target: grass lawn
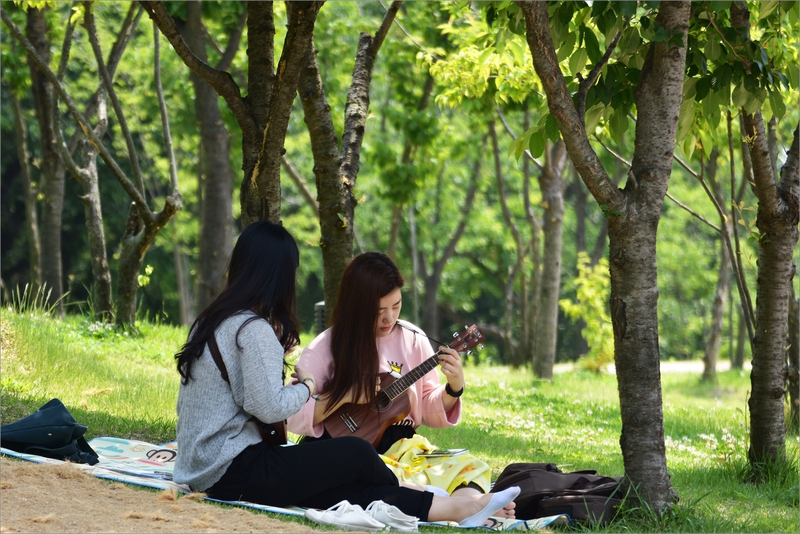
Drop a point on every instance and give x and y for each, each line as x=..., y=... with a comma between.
x=126, y=386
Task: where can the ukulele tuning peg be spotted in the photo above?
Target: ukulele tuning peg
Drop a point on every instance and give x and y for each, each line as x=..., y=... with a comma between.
x=466, y=327
x=455, y=335
x=469, y=353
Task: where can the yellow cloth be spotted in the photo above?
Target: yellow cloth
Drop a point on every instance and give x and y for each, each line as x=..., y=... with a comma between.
x=447, y=472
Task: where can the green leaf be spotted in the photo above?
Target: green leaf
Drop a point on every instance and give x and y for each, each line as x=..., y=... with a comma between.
x=577, y=61
x=767, y=8
x=567, y=46
x=777, y=105
x=685, y=118
x=688, y=146
x=485, y=55
x=701, y=88
x=713, y=48
x=740, y=96
x=619, y=125
x=551, y=127
x=537, y=144
x=593, y=117
x=592, y=46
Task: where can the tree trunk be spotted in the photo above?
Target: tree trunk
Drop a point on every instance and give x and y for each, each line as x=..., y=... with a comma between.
x=737, y=360
x=777, y=223
x=31, y=194
x=714, y=338
x=634, y=213
x=216, y=217
x=794, y=362
x=777, y=220
x=52, y=170
x=551, y=184
x=336, y=171
x=333, y=196
x=103, y=300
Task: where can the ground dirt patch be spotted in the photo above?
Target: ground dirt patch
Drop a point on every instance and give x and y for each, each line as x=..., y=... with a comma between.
x=60, y=498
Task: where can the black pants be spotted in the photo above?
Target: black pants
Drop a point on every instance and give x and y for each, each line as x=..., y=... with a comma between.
x=317, y=474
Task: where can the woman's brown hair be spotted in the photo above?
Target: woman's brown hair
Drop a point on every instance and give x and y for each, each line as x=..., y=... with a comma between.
x=367, y=278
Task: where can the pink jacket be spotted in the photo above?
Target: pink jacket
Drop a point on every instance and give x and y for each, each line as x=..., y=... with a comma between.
x=399, y=352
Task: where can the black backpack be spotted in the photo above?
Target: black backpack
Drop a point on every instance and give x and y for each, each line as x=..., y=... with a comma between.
x=584, y=496
x=50, y=431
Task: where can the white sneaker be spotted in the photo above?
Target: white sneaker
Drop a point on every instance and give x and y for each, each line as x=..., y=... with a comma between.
x=345, y=516
x=391, y=516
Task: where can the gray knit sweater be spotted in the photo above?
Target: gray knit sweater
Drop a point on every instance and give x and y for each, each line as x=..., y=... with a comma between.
x=214, y=417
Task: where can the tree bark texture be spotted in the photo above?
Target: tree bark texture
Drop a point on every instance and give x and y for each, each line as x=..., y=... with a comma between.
x=216, y=217
x=261, y=191
x=336, y=171
x=31, y=194
x=794, y=361
x=334, y=197
x=551, y=184
x=93, y=213
x=714, y=337
x=52, y=170
x=634, y=215
x=777, y=220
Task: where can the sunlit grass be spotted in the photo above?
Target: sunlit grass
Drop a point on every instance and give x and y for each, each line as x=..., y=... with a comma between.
x=126, y=386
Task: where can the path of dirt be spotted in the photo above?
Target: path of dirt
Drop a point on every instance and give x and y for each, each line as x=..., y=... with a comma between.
x=60, y=498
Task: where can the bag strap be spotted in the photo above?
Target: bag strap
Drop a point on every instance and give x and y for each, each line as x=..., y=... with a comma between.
x=272, y=433
x=214, y=349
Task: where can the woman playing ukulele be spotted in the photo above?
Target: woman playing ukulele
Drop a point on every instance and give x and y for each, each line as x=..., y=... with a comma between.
x=368, y=342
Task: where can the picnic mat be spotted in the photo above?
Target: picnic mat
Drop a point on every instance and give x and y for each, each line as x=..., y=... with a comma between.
x=145, y=464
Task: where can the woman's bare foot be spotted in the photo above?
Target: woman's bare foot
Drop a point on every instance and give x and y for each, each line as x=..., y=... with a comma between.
x=506, y=513
x=473, y=510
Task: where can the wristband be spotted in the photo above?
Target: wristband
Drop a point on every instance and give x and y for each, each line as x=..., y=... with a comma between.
x=452, y=393
x=314, y=382
x=307, y=387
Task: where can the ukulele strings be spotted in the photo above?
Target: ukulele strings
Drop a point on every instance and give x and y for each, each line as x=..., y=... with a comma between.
x=398, y=323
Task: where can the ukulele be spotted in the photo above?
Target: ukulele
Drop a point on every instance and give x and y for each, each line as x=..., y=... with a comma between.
x=369, y=421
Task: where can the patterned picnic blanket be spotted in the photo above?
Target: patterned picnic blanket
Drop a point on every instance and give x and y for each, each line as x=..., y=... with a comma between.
x=149, y=465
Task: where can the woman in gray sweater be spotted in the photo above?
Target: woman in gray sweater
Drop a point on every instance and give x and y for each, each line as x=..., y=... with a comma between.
x=221, y=451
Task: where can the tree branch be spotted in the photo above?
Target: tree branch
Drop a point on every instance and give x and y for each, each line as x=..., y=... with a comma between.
x=559, y=102
x=130, y=189
x=221, y=81
x=584, y=85
x=162, y=106
x=232, y=47
x=298, y=180
x=357, y=105
x=450, y=249
x=91, y=30
x=514, y=136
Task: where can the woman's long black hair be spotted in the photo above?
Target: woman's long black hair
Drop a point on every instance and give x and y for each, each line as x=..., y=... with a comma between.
x=261, y=278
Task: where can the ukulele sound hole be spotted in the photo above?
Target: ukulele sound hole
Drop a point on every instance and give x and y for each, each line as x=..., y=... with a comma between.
x=382, y=402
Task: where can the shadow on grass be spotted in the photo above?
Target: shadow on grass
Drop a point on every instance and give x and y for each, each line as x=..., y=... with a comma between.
x=14, y=406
